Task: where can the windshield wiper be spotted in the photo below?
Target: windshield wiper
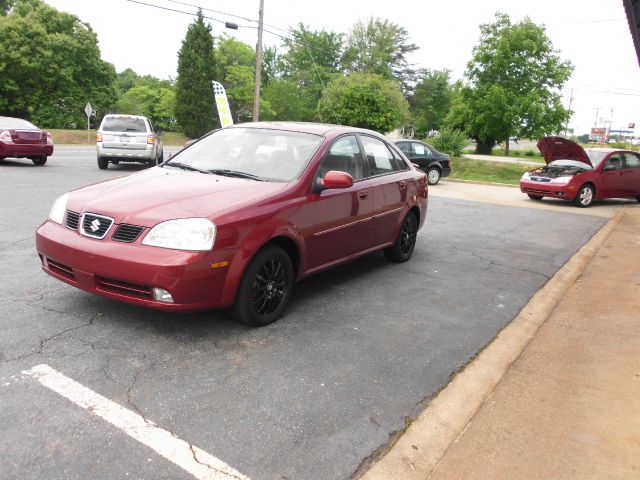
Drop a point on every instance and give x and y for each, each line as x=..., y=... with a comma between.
x=235, y=173
x=184, y=166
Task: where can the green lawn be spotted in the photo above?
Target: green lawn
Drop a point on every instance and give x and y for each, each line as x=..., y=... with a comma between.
x=79, y=137
x=528, y=155
x=493, y=172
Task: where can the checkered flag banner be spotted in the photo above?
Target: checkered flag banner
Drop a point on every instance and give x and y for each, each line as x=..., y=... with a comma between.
x=224, y=112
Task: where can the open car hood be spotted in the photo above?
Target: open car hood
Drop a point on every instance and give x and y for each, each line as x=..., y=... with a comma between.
x=559, y=148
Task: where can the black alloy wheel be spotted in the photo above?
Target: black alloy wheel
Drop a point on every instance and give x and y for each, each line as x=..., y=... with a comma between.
x=402, y=249
x=265, y=288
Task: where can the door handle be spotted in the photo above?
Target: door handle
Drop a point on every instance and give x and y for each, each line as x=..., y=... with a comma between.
x=363, y=193
x=402, y=184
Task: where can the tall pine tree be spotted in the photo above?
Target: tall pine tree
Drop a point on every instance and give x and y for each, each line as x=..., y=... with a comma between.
x=195, y=109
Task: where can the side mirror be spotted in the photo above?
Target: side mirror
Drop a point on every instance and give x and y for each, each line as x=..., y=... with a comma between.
x=336, y=179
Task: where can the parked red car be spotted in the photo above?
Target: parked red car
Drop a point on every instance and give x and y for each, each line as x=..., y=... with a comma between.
x=236, y=217
x=573, y=173
x=22, y=139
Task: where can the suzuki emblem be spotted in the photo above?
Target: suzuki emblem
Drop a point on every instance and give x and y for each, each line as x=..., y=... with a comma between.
x=95, y=225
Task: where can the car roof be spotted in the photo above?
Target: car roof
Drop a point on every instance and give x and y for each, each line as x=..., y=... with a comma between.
x=123, y=115
x=323, y=129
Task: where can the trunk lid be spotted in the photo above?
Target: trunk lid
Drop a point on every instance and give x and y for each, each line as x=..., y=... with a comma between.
x=559, y=148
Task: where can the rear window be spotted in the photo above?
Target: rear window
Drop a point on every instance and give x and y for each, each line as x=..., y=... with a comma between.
x=10, y=122
x=124, y=124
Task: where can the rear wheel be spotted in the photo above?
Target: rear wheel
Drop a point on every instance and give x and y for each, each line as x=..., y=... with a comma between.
x=39, y=160
x=402, y=250
x=534, y=197
x=584, y=197
x=265, y=288
x=433, y=175
x=638, y=199
x=103, y=163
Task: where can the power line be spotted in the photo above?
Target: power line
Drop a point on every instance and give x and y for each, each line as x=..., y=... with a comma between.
x=582, y=22
x=214, y=11
x=179, y=11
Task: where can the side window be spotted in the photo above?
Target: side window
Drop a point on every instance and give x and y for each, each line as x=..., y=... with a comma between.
x=633, y=160
x=404, y=147
x=151, y=129
x=400, y=162
x=379, y=157
x=615, y=161
x=343, y=157
x=419, y=150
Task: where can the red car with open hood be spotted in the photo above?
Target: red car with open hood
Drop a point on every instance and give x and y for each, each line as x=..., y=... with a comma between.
x=234, y=219
x=573, y=173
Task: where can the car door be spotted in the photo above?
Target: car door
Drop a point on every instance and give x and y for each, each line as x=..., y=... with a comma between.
x=632, y=175
x=612, y=180
x=339, y=215
x=387, y=181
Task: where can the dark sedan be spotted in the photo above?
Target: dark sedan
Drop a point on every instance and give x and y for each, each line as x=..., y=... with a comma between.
x=22, y=139
x=428, y=159
x=234, y=219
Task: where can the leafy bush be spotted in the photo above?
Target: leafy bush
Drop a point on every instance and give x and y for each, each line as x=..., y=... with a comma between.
x=530, y=153
x=450, y=141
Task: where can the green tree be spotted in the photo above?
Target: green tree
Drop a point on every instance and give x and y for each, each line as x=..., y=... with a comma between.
x=51, y=66
x=431, y=100
x=195, y=109
x=289, y=100
x=364, y=100
x=514, y=81
x=381, y=47
x=157, y=103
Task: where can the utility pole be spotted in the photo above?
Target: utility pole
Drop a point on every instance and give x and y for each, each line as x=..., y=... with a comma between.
x=566, y=127
x=256, y=90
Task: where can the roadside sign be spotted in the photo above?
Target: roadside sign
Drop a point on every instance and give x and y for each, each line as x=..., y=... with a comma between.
x=88, y=110
x=222, y=103
x=632, y=126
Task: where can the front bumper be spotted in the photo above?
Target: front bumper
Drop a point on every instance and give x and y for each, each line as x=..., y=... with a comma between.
x=129, y=271
x=545, y=189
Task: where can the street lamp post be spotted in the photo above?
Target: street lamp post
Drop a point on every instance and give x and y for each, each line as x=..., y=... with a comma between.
x=256, y=90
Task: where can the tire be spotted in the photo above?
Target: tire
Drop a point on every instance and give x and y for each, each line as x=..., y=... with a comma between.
x=584, y=197
x=161, y=157
x=433, y=175
x=265, y=288
x=402, y=249
x=39, y=160
x=103, y=163
x=534, y=197
x=638, y=199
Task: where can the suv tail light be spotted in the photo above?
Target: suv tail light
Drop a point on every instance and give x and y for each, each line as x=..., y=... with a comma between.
x=151, y=140
x=5, y=136
x=49, y=139
x=98, y=137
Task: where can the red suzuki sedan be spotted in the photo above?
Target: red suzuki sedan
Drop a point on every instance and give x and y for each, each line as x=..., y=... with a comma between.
x=22, y=139
x=573, y=173
x=234, y=219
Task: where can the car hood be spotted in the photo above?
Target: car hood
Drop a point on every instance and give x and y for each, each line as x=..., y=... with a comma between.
x=559, y=148
x=160, y=194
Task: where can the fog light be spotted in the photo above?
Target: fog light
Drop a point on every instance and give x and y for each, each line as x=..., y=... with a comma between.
x=162, y=295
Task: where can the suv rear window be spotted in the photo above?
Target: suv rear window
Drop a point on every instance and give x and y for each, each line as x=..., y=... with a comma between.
x=124, y=124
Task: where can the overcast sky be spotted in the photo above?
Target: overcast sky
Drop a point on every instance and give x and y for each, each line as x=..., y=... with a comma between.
x=593, y=34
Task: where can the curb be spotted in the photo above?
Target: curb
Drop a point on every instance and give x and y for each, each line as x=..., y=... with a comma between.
x=418, y=451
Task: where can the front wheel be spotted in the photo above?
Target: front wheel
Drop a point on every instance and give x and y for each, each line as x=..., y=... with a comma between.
x=433, y=175
x=638, y=199
x=103, y=163
x=265, y=288
x=402, y=249
x=584, y=197
x=39, y=160
x=534, y=197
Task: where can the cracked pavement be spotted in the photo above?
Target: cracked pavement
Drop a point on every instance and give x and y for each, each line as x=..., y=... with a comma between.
x=360, y=352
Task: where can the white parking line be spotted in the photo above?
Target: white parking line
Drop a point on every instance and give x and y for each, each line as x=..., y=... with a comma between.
x=197, y=462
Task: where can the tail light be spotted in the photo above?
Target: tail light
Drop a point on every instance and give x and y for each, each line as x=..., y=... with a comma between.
x=98, y=137
x=151, y=140
x=5, y=136
x=49, y=138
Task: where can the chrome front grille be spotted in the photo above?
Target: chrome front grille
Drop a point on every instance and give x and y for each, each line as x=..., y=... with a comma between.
x=95, y=226
x=73, y=218
x=127, y=233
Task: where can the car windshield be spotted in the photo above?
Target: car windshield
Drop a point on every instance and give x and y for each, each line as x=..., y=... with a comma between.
x=124, y=124
x=10, y=122
x=266, y=154
x=596, y=156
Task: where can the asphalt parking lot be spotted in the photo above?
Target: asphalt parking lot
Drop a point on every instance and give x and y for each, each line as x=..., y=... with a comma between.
x=361, y=350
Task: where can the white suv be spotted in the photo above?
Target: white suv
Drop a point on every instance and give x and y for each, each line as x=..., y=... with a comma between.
x=128, y=138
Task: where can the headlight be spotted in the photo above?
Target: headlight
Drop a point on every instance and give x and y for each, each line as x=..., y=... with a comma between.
x=182, y=234
x=561, y=180
x=56, y=214
x=525, y=176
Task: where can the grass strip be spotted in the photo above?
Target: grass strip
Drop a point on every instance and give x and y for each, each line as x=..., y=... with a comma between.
x=492, y=172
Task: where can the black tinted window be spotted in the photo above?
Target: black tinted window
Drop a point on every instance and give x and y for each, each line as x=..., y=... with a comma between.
x=124, y=124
